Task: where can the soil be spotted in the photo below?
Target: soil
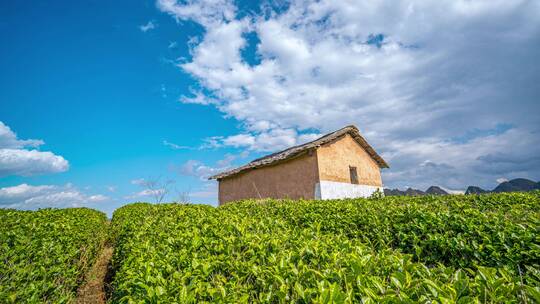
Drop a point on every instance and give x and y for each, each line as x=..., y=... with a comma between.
x=95, y=288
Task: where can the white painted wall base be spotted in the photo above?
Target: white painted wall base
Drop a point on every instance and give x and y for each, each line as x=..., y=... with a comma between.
x=333, y=190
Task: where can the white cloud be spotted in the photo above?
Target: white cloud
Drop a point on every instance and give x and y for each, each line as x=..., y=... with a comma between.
x=413, y=75
x=16, y=159
x=197, y=169
x=26, y=196
x=174, y=146
x=208, y=190
x=138, y=181
x=147, y=193
x=268, y=140
x=98, y=198
x=240, y=140
x=30, y=162
x=154, y=187
x=198, y=98
x=150, y=25
x=22, y=192
x=425, y=162
x=501, y=180
x=202, y=171
x=9, y=140
x=453, y=191
x=204, y=12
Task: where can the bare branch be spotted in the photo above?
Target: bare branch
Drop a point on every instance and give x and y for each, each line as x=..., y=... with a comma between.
x=182, y=197
x=157, y=188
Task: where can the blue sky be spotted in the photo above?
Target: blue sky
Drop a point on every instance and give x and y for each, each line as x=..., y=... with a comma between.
x=130, y=90
x=101, y=93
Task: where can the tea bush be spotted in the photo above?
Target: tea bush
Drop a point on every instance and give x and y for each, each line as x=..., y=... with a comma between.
x=45, y=254
x=448, y=249
x=461, y=231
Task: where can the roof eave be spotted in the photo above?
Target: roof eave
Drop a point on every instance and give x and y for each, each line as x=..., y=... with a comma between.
x=268, y=160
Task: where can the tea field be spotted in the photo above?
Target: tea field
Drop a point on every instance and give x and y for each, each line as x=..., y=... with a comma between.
x=45, y=254
x=433, y=249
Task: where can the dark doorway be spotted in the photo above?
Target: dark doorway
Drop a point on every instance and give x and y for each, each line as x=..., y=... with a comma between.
x=354, y=175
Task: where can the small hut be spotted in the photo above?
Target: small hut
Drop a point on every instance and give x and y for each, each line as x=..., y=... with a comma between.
x=340, y=164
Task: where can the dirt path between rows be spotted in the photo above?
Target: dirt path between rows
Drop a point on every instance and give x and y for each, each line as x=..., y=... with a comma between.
x=94, y=289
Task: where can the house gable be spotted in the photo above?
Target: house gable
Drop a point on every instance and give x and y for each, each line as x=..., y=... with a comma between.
x=336, y=158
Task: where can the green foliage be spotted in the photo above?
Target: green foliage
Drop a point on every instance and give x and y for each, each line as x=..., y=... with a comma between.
x=44, y=254
x=378, y=194
x=444, y=249
x=461, y=231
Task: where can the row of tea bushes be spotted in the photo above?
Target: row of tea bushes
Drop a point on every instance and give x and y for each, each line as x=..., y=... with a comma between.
x=460, y=231
x=325, y=252
x=45, y=254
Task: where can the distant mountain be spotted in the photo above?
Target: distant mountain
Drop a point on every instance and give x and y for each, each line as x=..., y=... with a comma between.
x=436, y=190
x=518, y=184
x=475, y=190
x=515, y=185
x=408, y=192
x=393, y=192
x=414, y=192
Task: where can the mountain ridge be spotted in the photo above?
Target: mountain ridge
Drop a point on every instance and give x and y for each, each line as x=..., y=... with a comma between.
x=514, y=185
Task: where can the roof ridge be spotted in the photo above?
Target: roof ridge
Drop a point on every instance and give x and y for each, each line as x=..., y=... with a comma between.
x=300, y=145
x=296, y=150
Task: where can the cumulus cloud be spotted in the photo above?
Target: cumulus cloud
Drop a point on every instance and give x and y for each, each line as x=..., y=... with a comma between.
x=17, y=159
x=30, y=197
x=417, y=77
x=30, y=162
x=204, y=12
x=9, y=140
x=456, y=165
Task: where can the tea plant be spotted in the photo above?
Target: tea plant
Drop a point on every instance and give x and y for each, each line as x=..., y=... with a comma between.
x=456, y=249
x=44, y=254
x=460, y=231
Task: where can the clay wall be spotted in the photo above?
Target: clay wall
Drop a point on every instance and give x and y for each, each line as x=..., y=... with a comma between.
x=295, y=179
x=335, y=158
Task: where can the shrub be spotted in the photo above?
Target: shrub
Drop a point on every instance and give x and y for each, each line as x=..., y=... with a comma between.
x=45, y=254
x=408, y=250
